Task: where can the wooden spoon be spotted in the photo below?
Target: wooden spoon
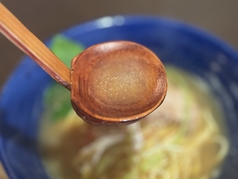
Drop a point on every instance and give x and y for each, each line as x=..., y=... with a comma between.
x=112, y=82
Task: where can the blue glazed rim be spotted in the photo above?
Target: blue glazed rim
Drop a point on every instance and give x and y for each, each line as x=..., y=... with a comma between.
x=137, y=19
x=128, y=20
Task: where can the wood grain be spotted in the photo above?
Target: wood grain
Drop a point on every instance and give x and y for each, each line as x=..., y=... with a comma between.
x=18, y=34
x=117, y=82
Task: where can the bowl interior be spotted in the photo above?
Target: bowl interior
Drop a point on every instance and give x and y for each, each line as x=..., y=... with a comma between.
x=174, y=42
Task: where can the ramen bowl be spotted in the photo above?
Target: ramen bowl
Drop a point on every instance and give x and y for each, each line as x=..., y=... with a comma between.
x=177, y=44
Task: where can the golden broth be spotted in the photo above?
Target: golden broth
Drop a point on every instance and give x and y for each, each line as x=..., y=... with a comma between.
x=183, y=138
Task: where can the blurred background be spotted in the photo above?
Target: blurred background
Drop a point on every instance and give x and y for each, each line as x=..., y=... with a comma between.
x=47, y=17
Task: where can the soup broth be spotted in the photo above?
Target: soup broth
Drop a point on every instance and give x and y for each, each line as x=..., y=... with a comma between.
x=184, y=138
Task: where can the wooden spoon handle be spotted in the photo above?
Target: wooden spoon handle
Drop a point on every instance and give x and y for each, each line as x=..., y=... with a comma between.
x=19, y=35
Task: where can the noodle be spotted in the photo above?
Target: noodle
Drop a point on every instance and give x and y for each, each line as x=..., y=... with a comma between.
x=182, y=139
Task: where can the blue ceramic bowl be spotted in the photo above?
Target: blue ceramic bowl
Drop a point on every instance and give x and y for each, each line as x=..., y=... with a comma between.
x=174, y=42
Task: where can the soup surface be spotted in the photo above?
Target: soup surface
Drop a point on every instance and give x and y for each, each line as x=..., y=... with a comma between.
x=184, y=138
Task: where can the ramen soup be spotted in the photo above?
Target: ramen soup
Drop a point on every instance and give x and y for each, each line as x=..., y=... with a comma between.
x=183, y=138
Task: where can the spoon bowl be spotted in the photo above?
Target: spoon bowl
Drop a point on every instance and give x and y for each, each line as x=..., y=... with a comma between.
x=117, y=82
